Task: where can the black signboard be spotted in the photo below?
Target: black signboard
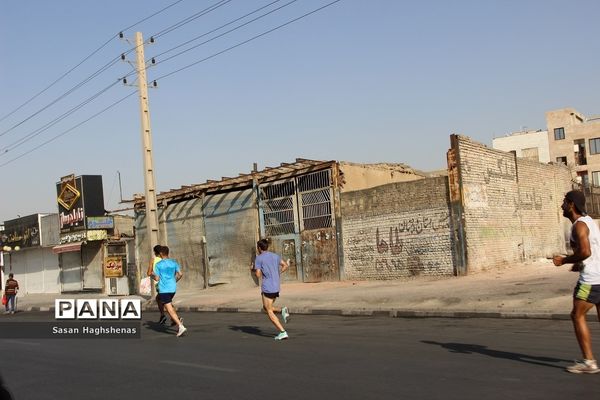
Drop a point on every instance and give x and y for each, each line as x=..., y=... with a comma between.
x=22, y=232
x=78, y=198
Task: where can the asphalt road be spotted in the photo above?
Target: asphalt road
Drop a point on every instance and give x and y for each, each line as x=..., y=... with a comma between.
x=233, y=356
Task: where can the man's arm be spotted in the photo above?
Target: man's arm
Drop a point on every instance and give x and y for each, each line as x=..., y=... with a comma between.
x=283, y=266
x=150, y=270
x=258, y=273
x=178, y=276
x=583, y=249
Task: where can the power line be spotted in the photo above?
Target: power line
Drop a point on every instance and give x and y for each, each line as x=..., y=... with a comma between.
x=50, y=124
x=152, y=15
x=222, y=34
x=216, y=29
x=81, y=62
x=248, y=40
x=80, y=84
x=68, y=130
x=191, y=18
x=173, y=73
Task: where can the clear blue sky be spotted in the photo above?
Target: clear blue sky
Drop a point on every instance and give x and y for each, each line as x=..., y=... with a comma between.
x=363, y=81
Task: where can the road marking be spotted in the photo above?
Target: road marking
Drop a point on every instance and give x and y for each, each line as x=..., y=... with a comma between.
x=200, y=366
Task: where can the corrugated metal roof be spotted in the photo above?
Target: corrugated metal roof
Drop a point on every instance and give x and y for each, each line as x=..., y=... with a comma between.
x=284, y=170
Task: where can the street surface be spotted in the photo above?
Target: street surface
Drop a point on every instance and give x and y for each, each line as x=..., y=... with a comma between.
x=233, y=356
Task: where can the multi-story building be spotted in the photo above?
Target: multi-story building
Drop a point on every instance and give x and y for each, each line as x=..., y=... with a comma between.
x=532, y=145
x=575, y=141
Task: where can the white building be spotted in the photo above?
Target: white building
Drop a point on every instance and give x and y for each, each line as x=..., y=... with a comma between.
x=525, y=144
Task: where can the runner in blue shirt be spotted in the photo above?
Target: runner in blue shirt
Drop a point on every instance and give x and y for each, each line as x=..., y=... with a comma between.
x=167, y=273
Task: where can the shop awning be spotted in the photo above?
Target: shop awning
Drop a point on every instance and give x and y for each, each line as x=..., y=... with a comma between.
x=67, y=247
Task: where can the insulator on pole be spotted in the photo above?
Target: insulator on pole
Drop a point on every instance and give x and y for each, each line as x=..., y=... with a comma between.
x=154, y=83
x=124, y=81
x=123, y=56
x=151, y=39
x=121, y=36
x=153, y=60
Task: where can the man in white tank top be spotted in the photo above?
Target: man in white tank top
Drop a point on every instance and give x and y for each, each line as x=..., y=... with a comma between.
x=585, y=242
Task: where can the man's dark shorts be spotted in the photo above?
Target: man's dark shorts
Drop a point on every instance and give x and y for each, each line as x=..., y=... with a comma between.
x=587, y=292
x=271, y=295
x=166, y=298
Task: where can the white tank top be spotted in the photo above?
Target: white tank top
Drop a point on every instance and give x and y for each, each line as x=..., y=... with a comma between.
x=590, y=273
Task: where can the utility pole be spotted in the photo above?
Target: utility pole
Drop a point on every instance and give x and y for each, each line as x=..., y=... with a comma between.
x=149, y=183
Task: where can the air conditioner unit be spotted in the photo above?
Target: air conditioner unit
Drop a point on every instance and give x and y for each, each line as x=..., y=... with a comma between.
x=117, y=286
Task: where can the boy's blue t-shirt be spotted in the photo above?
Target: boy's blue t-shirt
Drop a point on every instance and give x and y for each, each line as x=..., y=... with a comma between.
x=166, y=270
x=268, y=263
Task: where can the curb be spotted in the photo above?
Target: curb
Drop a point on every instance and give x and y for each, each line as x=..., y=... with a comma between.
x=350, y=312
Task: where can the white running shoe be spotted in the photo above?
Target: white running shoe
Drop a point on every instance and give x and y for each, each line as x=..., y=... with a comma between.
x=584, y=367
x=182, y=330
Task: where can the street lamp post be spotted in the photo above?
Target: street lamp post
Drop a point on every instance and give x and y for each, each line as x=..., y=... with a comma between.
x=10, y=250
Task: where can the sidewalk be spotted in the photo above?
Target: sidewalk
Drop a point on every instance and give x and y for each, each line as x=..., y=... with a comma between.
x=531, y=290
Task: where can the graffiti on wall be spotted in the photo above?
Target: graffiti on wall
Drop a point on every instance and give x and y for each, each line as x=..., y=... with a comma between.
x=503, y=170
x=414, y=244
x=411, y=226
x=529, y=199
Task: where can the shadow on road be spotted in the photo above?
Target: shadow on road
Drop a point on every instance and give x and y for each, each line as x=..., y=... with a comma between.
x=251, y=330
x=155, y=326
x=466, y=348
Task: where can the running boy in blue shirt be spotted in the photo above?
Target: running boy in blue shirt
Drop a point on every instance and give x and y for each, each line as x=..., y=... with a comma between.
x=167, y=272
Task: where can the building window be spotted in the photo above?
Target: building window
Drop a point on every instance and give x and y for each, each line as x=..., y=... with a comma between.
x=559, y=133
x=595, y=146
x=562, y=160
x=596, y=178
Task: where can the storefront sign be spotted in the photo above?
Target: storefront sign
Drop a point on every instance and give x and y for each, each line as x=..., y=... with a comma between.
x=79, y=198
x=73, y=237
x=106, y=222
x=113, y=267
x=96, y=235
x=22, y=232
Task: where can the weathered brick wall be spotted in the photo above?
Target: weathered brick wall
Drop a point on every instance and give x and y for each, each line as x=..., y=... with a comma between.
x=511, y=209
x=541, y=192
x=397, y=230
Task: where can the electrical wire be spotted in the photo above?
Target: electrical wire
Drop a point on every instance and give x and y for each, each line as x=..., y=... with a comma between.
x=248, y=40
x=220, y=35
x=50, y=124
x=80, y=84
x=68, y=130
x=191, y=18
x=173, y=73
x=81, y=62
x=214, y=30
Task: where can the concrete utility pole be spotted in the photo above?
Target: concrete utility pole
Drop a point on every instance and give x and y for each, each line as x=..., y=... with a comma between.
x=149, y=183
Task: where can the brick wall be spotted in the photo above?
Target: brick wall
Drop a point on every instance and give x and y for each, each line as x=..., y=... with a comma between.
x=397, y=230
x=511, y=207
